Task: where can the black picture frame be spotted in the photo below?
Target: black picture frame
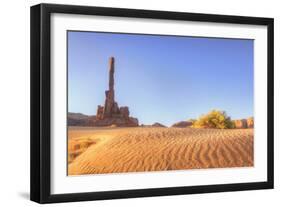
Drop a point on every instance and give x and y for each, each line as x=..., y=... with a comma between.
x=41, y=99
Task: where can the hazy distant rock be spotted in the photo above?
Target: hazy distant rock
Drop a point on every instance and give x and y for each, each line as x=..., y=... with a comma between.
x=77, y=115
x=78, y=119
x=182, y=124
x=156, y=124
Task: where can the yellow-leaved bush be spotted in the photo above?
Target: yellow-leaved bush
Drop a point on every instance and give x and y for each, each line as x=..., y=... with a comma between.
x=214, y=119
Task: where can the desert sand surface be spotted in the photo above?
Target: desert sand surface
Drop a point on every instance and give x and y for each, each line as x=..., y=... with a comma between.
x=116, y=150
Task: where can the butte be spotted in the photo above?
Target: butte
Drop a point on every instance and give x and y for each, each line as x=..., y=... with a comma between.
x=111, y=114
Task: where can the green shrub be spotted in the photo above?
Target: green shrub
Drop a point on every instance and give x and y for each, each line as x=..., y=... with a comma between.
x=214, y=119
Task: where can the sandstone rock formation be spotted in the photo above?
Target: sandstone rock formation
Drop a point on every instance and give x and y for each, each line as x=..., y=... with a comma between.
x=244, y=123
x=250, y=122
x=182, y=124
x=111, y=114
x=240, y=124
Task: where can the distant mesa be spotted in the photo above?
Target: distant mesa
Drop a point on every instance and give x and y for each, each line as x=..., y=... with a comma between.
x=110, y=114
x=182, y=124
x=78, y=119
x=156, y=124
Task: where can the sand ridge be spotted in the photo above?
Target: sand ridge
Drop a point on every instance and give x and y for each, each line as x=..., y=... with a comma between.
x=116, y=150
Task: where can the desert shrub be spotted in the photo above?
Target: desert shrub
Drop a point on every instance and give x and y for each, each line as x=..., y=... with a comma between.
x=214, y=119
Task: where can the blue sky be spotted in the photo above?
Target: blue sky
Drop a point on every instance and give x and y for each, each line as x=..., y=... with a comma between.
x=162, y=79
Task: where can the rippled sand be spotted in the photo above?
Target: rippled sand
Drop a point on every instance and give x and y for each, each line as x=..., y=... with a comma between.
x=115, y=150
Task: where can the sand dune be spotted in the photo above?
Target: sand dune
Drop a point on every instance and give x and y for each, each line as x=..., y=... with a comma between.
x=114, y=150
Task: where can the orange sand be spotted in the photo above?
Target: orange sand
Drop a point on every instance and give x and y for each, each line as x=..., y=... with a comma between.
x=115, y=150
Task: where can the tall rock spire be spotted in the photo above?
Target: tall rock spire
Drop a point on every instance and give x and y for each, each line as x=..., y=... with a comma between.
x=109, y=94
x=111, y=113
x=111, y=73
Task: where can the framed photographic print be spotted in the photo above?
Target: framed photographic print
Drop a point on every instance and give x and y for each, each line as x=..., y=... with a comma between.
x=132, y=103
